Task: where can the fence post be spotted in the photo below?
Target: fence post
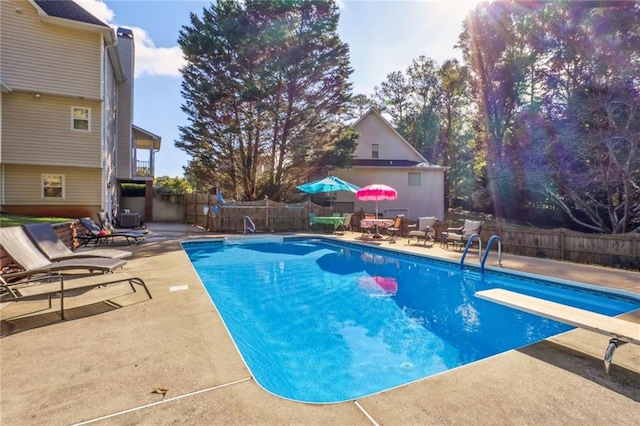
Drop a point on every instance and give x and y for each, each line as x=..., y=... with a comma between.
x=562, y=243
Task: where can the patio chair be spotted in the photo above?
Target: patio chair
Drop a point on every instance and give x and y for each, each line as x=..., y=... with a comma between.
x=312, y=225
x=423, y=230
x=460, y=236
x=98, y=235
x=395, y=229
x=346, y=224
x=38, y=287
x=48, y=242
x=106, y=225
x=26, y=255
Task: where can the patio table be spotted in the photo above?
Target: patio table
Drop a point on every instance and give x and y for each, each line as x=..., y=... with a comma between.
x=335, y=221
x=376, y=223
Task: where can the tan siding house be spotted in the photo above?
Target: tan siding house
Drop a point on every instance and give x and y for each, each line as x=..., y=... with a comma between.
x=384, y=156
x=66, y=93
x=23, y=184
x=46, y=122
x=49, y=57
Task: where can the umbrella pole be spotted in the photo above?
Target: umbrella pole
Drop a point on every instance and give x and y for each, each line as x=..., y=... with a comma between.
x=377, y=234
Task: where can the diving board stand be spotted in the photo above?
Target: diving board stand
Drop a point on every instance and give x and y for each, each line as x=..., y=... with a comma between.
x=620, y=330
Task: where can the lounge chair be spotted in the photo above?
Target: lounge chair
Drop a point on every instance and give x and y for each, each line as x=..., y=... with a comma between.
x=46, y=239
x=98, y=235
x=50, y=285
x=395, y=229
x=26, y=255
x=423, y=230
x=106, y=225
x=460, y=236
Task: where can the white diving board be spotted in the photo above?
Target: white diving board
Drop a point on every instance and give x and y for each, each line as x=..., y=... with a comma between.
x=610, y=326
x=617, y=328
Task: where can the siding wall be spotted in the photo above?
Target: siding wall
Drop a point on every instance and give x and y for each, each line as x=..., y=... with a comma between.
x=47, y=58
x=46, y=122
x=22, y=185
x=391, y=147
x=418, y=201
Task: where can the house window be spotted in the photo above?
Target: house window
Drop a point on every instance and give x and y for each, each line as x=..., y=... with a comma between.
x=375, y=148
x=52, y=186
x=81, y=118
x=414, y=179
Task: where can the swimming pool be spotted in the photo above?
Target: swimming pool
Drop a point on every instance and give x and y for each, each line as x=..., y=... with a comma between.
x=322, y=321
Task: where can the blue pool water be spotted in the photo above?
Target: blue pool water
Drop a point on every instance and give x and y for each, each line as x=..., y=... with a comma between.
x=323, y=321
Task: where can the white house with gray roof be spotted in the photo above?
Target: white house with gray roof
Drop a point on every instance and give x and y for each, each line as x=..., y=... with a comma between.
x=384, y=156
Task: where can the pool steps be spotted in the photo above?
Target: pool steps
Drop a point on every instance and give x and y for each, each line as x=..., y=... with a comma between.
x=252, y=239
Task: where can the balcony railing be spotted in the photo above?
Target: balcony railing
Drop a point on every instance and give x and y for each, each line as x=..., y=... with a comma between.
x=143, y=169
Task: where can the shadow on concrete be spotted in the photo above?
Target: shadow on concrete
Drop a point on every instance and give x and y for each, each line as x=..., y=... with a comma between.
x=620, y=380
x=12, y=326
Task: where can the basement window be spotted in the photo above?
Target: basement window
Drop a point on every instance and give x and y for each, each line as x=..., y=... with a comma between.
x=52, y=186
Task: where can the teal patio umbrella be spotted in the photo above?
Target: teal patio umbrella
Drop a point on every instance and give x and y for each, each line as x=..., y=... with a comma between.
x=328, y=184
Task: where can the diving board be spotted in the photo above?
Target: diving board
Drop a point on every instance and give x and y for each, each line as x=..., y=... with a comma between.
x=617, y=328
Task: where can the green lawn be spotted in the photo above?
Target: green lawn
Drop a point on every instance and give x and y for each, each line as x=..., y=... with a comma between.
x=7, y=220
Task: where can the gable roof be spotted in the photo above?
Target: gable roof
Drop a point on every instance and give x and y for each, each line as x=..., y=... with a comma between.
x=376, y=162
x=373, y=111
x=67, y=9
x=145, y=139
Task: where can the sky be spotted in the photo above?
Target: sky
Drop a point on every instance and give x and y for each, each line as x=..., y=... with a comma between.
x=383, y=37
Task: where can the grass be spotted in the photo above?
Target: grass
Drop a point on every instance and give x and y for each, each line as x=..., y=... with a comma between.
x=7, y=220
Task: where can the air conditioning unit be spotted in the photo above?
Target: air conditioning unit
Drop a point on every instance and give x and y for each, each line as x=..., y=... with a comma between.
x=129, y=220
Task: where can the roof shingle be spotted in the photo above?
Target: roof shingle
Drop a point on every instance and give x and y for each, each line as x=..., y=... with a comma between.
x=67, y=9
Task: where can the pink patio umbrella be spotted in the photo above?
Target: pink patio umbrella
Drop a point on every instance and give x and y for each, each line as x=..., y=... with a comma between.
x=376, y=192
x=377, y=283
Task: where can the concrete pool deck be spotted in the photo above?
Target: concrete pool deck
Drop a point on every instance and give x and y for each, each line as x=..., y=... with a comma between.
x=115, y=356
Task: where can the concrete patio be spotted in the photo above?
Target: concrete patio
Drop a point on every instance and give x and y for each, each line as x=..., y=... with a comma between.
x=117, y=353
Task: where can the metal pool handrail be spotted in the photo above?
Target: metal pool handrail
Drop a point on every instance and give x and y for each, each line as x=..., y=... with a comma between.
x=251, y=227
x=466, y=248
x=486, y=252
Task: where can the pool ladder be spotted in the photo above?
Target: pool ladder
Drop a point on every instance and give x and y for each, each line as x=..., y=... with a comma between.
x=486, y=250
x=249, y=226
x=466, y=248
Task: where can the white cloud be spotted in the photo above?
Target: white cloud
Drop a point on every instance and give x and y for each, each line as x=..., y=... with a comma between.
x=98, y=9
x=150, y=60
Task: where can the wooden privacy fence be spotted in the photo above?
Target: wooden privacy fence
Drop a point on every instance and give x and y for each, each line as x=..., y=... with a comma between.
x=268, y=216
x=615, y=250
